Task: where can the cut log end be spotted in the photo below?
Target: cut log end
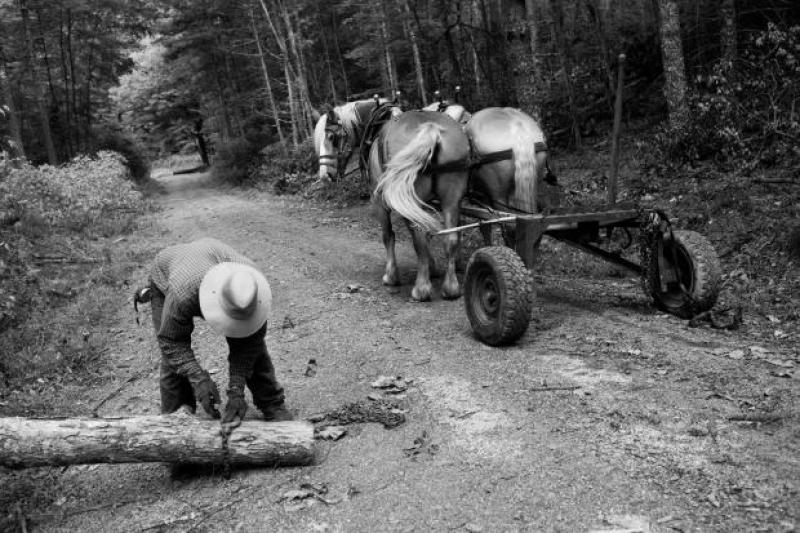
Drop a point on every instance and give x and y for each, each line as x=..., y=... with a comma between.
x=179, y=438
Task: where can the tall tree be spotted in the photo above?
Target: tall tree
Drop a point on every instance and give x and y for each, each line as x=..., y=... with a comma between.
x=728, y=32
x=673, y=61
x=558, y=38
x=39, y=97
x=267, y=82
x=408, y=25
x=7, y=100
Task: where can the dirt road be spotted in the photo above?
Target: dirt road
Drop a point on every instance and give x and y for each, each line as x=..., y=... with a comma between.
x=638, y=435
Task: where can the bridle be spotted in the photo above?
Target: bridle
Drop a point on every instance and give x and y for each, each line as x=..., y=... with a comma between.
x=341, y=144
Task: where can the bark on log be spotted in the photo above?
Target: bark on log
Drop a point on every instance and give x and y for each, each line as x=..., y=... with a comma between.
x=177, y=438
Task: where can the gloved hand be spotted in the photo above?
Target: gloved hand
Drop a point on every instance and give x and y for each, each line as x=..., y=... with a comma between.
x=235, y=408
x=206, y=392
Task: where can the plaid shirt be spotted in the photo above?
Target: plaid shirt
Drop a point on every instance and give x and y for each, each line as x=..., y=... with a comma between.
x=177, y=272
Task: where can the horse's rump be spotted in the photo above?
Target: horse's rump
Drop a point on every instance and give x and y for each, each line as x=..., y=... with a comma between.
x=416, y=145
x=496, y=129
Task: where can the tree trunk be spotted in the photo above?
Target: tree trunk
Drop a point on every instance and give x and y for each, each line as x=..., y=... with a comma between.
x=328, y=60
x=534, y=72
x=292, y=104
x=557, y=35
x=339, y=55
x=391, y=73
x=178, y=438
x=598, y=16
x=728, y=31
x=672, y=56
x=307, y=124
x=412, y=36
x=13, y=121
x=287, y=70
x=69, y=140
x=267, y=82
x=222, y=112
x=44, y=118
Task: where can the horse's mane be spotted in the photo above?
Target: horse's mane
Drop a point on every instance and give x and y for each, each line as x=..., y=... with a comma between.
x=349, y=113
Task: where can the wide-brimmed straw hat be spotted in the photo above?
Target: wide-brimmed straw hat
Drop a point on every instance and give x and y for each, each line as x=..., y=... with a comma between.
x=235, y=299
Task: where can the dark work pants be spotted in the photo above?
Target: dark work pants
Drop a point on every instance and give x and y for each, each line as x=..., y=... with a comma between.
x=176, y=390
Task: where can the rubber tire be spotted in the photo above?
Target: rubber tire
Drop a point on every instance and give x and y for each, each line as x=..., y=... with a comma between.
x=498, y=293
x=699, y=270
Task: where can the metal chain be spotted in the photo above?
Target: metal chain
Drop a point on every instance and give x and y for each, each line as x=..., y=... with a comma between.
x=653, y=225
x=649, y=235
x=225, y=432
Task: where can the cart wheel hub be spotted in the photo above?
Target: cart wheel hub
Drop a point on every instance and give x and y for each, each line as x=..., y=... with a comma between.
x=490, y=300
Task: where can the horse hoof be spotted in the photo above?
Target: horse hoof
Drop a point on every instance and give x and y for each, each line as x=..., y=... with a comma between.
x=390, y=280
x=421, y=295
x=451, y=294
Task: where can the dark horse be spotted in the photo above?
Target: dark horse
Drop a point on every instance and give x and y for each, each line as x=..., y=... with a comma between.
x=410, y=160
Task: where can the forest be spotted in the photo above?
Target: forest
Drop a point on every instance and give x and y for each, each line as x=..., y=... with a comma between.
x=723, y=74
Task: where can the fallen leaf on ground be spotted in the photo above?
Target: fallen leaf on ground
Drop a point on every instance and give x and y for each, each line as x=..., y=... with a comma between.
x=421, y=444
x=736, y=355
x=311, y=368
x=330, y=433
x=758, y=352
x=390, y=384
x=626, y=524
x=785, y=363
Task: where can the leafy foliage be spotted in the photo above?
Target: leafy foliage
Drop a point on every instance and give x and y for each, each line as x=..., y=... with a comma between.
x=116, y=140
x=288, y=170
x=743, y=113
x=82, y=193
x=235, y=161
x=86, y=196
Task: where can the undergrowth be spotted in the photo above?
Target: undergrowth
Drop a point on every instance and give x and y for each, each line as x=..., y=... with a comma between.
x=60, y=273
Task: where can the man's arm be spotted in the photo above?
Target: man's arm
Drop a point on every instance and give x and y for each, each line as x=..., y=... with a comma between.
x=175, y=341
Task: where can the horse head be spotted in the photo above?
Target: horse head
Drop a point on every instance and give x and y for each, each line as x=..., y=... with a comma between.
x=334, y=145
x=345, y=131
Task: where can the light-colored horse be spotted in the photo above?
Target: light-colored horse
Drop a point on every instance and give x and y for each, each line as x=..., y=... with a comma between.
x=509, y=153
x=413, y=158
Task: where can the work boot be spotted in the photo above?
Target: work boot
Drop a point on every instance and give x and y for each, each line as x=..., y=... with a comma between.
x=277, y=413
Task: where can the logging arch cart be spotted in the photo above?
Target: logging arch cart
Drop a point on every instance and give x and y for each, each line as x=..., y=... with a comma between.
x=679, y=269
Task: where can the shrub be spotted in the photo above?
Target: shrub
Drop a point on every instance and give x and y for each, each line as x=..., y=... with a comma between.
x=85, y=191
x=742, y=114
x=235, y=162
x=289, y=170
x=114, y=139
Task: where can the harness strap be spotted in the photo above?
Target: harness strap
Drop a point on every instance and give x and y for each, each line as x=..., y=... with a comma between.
x=452, y=166
x=504, y=155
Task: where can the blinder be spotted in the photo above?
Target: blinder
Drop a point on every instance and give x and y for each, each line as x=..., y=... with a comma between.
x=341, y=145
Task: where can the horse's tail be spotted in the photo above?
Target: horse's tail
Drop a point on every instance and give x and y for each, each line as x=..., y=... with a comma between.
x=524, y=167
x=396, y=185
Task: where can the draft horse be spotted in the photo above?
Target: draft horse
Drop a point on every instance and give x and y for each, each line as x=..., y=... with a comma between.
x=509, y=160
x=410, y=159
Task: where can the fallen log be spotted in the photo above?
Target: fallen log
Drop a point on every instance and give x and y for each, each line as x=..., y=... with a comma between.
x=177, y=438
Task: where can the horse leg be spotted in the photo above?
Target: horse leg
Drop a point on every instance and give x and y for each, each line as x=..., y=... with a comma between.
x=450, y=198
x=422, y=286
x=391, y=275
